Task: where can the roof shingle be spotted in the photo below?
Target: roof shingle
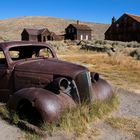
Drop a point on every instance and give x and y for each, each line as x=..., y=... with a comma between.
x=137, y=18
x=81, y=26
x=34, y=31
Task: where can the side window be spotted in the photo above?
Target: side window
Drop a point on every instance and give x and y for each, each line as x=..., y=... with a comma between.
x=2, y=58
x=45, y=53
x=14, y=55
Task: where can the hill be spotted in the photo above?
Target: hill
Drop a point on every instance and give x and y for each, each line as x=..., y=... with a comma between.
x=10, y=29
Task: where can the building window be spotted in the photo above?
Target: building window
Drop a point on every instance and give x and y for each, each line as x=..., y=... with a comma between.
x=134, y=24
x=81, y=37
x=72, y=30
x=86, y=37
x=125, y=19
x=117, y=25
x=69, y=30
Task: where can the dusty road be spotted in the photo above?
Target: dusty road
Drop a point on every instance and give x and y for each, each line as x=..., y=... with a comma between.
x=9, y=132
x=129, y=107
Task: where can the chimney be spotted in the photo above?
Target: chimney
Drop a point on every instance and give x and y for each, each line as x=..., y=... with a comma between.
x=78, y=22
x=113, y=20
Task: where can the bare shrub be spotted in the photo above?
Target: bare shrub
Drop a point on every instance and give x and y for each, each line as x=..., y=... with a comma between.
x=133, y=44
x=135, y=53
x=58, y=45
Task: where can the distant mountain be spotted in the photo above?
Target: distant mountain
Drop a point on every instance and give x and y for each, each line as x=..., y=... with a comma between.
x=10, y=29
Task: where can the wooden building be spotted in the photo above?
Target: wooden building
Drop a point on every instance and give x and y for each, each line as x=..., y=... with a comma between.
x=39, y=35
x=78, y=32
x=126, y=28
x=57, y=37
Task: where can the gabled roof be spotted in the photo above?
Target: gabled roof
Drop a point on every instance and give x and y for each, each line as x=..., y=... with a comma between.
x=81, y=26
x=135, y=17
x=52, y=34
x=34, y=31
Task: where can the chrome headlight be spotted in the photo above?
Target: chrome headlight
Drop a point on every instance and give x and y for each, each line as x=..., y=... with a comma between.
x=94, y=77
x=61, y=84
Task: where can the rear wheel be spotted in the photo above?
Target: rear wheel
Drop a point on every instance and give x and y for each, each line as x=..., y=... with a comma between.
x=29, y=113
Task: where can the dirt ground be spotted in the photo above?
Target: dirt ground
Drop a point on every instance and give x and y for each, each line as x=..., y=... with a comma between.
x=129, y=108
x=9, y=132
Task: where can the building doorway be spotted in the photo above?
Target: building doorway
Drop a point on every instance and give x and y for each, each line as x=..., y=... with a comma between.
x=44, y=39
x=81, y=37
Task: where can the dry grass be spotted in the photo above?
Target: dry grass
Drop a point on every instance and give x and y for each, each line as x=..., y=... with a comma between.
x=122, y=71
x=77, y=120
x=73, y=121
x=31, y=136
x=11, y=117
x=130, y=125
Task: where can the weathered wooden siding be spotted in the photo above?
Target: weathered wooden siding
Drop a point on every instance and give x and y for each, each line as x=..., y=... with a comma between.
x=76, y=32
x=124, y=29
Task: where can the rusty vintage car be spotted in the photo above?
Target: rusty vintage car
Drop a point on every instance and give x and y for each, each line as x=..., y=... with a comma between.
x=36, y=84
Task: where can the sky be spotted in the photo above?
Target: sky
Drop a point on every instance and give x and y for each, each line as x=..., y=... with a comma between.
x=99, y=11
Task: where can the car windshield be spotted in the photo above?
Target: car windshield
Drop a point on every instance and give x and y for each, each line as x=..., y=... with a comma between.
x=24, y=52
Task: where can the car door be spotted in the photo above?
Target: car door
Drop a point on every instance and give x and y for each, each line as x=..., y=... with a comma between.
x=4, y=78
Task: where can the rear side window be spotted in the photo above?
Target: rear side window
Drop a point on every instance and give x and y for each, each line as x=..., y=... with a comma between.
x=2, y=58
x=45, y=52
x=14, y=54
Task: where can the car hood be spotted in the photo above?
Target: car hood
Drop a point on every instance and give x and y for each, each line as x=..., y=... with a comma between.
x=50, y=66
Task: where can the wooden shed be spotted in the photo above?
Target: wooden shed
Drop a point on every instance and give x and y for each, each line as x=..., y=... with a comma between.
x=57, y=37
x=39, y=35
x=126, y=28
x=78, y=32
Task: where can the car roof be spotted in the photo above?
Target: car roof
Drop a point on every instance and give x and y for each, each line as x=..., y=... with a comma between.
x=11, y=44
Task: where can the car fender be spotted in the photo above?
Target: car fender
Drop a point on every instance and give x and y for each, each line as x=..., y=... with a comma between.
x=102, y=90
x=48, y=104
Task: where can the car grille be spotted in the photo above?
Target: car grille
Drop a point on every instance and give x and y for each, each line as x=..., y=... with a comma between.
x=83, y=82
